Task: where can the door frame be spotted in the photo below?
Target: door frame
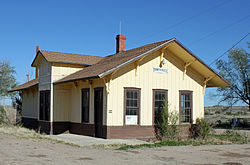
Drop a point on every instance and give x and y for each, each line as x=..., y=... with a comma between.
x=98, y=134
x=43, y=95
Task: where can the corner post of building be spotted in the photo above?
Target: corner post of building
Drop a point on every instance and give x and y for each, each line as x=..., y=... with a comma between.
x=51, y=108
x=38, y=110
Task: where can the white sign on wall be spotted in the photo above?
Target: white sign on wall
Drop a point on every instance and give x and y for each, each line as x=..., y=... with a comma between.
x=160, y=70
x=131, y=120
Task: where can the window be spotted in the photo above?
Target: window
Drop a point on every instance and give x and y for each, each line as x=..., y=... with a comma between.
x=85, y=105
x=159, y=97
x=132, y=106
x=44, y=113
x=186, y=106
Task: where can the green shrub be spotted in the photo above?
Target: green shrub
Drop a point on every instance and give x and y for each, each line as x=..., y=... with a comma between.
x=228, y=113
x=234, y=136
x=207, y=112
x=166, y=124
x=217, y=112
x=202, y=128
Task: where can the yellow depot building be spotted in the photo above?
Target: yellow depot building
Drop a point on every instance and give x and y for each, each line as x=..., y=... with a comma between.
x=116, y=96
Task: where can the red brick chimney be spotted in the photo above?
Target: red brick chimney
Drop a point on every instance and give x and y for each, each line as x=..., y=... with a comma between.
x=120, y=43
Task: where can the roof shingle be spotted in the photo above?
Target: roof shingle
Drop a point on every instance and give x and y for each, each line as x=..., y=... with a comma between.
x=69, y=58
x=30, y=84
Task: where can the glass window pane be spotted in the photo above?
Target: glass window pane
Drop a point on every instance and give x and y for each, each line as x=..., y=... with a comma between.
x=160, y=96
x=131, y=102
x=164, y=96
x=135, y=103
x=128, y=94
x=157, y=96
x=182, y=104
x=127, y=103
x=182, y=97
x=127, y=111
x=135, y=95
x=187, y=104
x=187, y=97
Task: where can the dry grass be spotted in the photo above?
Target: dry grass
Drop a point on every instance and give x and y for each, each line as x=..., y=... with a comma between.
x=24, y=133
x=21, y=132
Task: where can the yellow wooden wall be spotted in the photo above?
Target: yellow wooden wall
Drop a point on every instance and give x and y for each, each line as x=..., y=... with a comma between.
x=67, y=101
x=59, y=72
x=60, y=110
x=29, y=103
x=147, y=80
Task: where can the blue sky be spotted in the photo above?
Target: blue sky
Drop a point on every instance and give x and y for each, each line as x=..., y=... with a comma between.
x=208, y=27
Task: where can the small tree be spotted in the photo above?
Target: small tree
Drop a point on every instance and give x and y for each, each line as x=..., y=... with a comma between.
x=17, y=104
x=7, y=79
x=166, y=123
x=236, y=70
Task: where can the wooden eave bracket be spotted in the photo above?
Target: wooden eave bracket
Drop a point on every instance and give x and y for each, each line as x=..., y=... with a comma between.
x=206, y=79
x=90, y=82
x=76, y=84
x=186, y=65
x=136, y=63
x=162, y=55
x=106, y=81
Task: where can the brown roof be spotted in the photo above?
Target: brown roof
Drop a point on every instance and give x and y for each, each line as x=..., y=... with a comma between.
x=101, y=66
x=69, y=58
x=30, y=84
x=111, y=62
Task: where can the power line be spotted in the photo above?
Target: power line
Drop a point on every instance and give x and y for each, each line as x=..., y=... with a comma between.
x=225, y=27
x=229, y=49
x=184, y=20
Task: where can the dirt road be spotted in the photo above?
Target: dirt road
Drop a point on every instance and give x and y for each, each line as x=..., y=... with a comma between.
x=16, y=151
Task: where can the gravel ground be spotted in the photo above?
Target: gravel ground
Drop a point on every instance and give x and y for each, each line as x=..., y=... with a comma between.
x=19, y=151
